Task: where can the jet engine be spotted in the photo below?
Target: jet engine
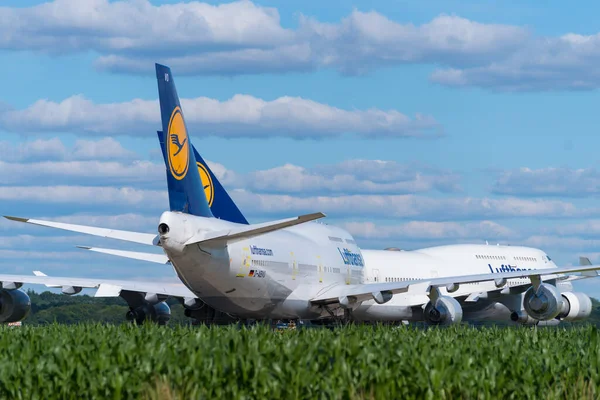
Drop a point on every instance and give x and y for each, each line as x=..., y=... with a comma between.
x=444, y=311
x=544, y=303
x=576, y=306
x=159, y=312
x=14, y=305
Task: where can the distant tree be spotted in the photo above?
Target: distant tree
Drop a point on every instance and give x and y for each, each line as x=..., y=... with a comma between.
x=48, y=307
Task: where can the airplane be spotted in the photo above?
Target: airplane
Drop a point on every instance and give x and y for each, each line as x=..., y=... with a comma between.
x=293, y=268
x=393, y=265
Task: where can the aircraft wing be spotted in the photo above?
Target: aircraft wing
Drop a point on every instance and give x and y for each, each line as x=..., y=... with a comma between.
x=135, y=237
x=150, y=257
x=346, y=294
x=106, y=287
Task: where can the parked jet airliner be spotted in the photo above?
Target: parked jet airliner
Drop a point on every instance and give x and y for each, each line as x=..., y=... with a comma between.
x=292, y=268
x=491, y=303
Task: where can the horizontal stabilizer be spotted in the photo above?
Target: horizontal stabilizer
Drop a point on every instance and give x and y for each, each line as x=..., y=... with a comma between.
x=155, y=258
x=221, y=238
x=135, y=237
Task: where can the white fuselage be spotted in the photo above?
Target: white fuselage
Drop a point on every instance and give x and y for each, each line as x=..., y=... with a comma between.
x=269, y=276
x=275, y=275
x=453, y=260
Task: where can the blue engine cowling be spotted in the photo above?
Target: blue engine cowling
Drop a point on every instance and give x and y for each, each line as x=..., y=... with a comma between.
x=15, y=305
x=159, y=312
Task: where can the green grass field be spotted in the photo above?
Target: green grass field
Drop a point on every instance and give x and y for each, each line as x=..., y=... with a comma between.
x=356, y=362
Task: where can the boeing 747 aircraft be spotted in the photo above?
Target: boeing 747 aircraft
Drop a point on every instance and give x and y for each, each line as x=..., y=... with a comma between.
x=291, y=268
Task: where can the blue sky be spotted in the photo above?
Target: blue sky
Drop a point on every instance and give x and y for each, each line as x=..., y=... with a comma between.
x=411, y=124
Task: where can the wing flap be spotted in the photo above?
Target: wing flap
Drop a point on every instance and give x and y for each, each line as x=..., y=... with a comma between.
x=134, y=237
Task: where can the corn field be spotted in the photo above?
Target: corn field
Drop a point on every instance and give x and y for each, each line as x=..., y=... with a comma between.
x=355, y=362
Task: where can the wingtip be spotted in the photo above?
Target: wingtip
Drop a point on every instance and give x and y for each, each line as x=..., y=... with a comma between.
x=18, y=219
x=84, y=247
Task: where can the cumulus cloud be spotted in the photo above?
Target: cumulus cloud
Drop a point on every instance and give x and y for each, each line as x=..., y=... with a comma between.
x=54, y=149
x=85, y=195
x=586, y=229
x=246, y=38
x=541, y=63
x=549, y=182
x=409, y=206
x=353, y=176
x=240, y=116
x=82, y=172
x=272, y=205
x=242, y=37
x=562, y=243
x=418, y=230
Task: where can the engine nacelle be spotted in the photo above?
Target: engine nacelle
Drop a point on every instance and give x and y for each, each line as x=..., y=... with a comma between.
x=445, y=311
x=544, y=303
x=14, y=305
x=159, y=312
x=523, y=318
x=576, y=306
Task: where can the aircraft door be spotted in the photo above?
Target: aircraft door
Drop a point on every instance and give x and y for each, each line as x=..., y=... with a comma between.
x=246, y=263
x=294, y=265
x=375, y=275
x=320, y=269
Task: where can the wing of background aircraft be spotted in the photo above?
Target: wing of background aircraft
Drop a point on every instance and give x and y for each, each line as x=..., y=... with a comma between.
x=106, y=287
x=379, y=291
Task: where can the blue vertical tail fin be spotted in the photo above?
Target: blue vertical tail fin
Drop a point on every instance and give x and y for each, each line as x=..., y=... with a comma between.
x=186, y=192
x=220, y=203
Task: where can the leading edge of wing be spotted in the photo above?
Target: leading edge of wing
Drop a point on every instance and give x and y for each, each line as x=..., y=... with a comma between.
x=369, y=291
x=128, y=236
x=166, y=288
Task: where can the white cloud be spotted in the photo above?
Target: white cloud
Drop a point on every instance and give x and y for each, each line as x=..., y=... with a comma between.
x=562, y=243
x=240, y=116
x=103, y=149
x=347, y=177
x=542, y=63
x=138, y=27
x=82, y=172
x=242, y=37
x=86, y=195
x=549, y=182
x=40, y=149
x=54, y=149
x=389, y=206
x=586, y=229
x=416, y=230
x=352, y=177
x=246, y=38
x=408, y=206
